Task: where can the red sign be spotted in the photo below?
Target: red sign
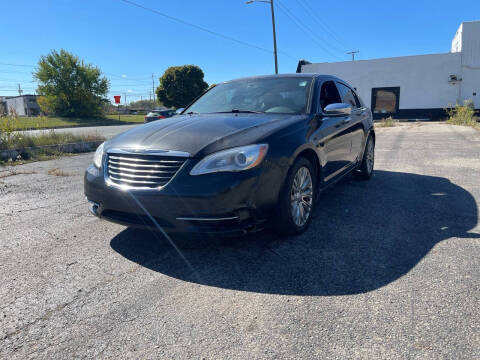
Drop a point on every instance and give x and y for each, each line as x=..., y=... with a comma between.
x=117, y=99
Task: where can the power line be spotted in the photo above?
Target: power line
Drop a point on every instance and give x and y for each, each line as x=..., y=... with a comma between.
x=21, y=65
x=139, y=79
x=198, y=27
x=323, y=24
x=14, y=72
x=317, y=20
x=305, y=29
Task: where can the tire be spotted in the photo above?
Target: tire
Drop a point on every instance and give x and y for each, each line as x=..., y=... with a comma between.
x=290, y=220
x=365, y=171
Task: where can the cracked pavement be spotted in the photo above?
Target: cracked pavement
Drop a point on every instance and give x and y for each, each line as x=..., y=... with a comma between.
x=389, y=268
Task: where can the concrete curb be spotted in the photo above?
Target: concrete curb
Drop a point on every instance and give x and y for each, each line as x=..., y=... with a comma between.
x=79, y=147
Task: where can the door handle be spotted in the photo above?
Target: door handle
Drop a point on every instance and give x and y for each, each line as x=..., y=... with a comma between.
x=346, y=121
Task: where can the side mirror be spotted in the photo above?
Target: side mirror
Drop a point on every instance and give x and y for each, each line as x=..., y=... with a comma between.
x=338, y=109
x=178, y=111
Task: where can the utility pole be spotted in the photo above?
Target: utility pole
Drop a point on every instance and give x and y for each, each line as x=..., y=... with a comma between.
x=353, y=54
x=153, y=88
x=274, y=37
x=20, y=91
x=272, y=8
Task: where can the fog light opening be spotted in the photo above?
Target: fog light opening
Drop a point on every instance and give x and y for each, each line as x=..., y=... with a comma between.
x=94, y=207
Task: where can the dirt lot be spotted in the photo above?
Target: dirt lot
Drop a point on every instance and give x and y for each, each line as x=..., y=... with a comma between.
x=389, y=269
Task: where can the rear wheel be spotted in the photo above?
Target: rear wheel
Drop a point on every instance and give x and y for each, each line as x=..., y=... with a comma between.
x=297, y=198
x=366, y=167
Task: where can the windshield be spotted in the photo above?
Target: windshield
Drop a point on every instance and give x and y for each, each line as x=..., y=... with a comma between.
x=265, y=95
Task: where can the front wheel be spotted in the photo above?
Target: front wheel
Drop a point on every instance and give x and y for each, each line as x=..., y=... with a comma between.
x=366, y=167
x=297, y=199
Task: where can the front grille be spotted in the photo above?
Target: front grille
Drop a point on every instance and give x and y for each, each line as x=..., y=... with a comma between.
x=142, y=171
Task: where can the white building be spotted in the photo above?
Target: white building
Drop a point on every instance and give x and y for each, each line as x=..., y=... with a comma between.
x=415, y=86
x=23, y=105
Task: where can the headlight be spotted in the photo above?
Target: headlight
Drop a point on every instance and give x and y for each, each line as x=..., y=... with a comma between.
x=236, y=159
x=97, y=158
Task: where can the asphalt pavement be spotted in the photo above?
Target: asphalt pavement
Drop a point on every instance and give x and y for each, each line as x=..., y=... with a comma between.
x=389, y=269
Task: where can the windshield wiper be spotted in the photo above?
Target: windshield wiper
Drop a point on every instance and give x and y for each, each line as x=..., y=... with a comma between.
x=192, y=112
x=237, y=111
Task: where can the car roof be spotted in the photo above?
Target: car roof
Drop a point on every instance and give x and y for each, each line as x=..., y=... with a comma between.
x=292, y=75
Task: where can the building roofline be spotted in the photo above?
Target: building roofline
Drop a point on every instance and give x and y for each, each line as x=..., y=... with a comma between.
x=470, y=21
x=386, y=58
x=272, y=76
x=16, y=96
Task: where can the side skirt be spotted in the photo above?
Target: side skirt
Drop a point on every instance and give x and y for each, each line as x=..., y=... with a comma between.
x=337, y=178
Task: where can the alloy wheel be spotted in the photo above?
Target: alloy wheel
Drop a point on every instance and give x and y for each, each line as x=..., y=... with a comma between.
x=301, y=197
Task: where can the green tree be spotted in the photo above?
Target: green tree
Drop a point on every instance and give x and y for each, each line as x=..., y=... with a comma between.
x=69, y=87
x=180, y=85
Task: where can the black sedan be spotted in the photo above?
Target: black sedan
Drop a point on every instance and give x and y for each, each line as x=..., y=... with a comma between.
x=248, y=153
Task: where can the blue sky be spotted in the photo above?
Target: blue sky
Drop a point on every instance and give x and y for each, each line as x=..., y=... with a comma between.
x=129, y=43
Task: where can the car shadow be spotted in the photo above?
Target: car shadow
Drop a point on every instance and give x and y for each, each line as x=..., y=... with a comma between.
x=364, y=235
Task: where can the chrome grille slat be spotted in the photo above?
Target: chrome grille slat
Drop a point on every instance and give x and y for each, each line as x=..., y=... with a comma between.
x=134, y=181
x=145, y=165
x=113, y=157
x=139, y=176
x=142, y=170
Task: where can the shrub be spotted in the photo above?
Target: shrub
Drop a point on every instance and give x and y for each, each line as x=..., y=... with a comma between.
x=388, y=122
x=462, y=114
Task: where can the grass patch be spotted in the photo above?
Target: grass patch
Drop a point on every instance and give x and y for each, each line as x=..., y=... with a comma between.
x=463, y=114
x=388, y=122
x=15, y=140
x=32, y=156
x=28, y=156
x=44, y=122
x=30, y=147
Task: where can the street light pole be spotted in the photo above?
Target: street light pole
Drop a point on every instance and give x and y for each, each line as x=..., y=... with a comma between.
x=273, y=26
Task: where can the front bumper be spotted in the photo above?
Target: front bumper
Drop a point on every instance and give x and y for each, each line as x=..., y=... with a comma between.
x=220, y=203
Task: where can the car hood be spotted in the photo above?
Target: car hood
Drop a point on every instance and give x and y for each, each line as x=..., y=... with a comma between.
x=200, y=134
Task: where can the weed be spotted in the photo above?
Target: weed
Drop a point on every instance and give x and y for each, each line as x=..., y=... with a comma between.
x=388, y=122
x=31, y=146
x=462, y=114
x=58, y=172
x=10, y=138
